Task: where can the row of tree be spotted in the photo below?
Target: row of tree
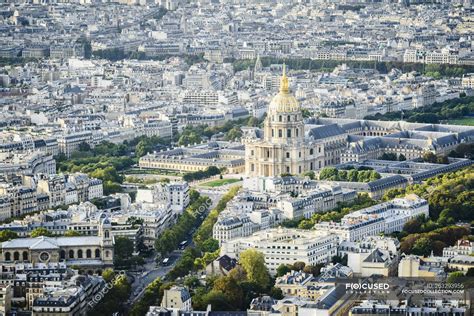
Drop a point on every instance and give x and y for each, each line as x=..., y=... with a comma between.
x=191, y=218
x=201, y=174
x=450, y=196
x=315, y=270
x=392, y=157
x=353, y=175
x=423, y=244
x=329, y=65
x=192, y=258
x=206, y=248
x=434, y=113
x=114, y=300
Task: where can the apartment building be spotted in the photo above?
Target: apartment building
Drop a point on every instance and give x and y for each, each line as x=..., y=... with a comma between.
x=285, y=246
x=386, y=218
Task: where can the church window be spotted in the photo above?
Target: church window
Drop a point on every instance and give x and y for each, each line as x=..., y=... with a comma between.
x=107, y=234
x=311, y=151
x=88, y=253
x=297, y=132
x=311, y=166
x=299, y=154
x=252, y=167
x=299, y=169
x=280, y=133
x=273, y=133
x=251, y=153
x=288, y=133
x=97, y=253
x=289, y=118
x=8, y=256
x=16, y=255
x=25, y=256
x=71, y=254
x=280, y=118
x=79, y=253
x=288, y=169
x=268, y=153
x=287, y=155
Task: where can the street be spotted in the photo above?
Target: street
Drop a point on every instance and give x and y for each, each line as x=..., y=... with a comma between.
x=151, y=270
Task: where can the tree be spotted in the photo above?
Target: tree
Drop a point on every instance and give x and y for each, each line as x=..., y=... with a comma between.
x=151, y=296
x=374, y=175
x=454, y=277
x=298, y=266
x=413, y=225
x=422, y=247
x=7, y=235
x=328, y=173
x=253, y=263
x=276, y=293
x=123, y=253
x=402, y=157
x=217, y=300
x=339, y=259
x=253, y=121
x=352, y=175
x=232, y=290
x=309, y=174
x=306, y=113
x=233, y=134
x=143, y=147
x=429, y=157
x=282, y=270
x=315, y=270
x=108, y=274
x=84, y=146
x=388, y=156
x=189, y=139
x=72, y=233
x=118, y=293
x=40, y=231
x=210, y=245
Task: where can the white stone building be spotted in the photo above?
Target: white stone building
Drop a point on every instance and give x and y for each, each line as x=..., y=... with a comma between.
x=285, y=246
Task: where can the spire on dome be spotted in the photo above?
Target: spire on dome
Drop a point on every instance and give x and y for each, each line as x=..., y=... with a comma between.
x=284, y=85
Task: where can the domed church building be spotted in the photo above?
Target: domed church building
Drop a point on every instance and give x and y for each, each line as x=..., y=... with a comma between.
x=283, y=147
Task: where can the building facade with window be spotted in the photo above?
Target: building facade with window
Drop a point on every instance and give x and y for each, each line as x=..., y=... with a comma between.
x=89, y=253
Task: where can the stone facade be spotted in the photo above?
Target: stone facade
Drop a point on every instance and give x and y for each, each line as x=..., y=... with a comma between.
x=283, y=148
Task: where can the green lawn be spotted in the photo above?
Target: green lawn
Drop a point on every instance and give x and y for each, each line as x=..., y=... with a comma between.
x=463, y=121
x=220, y=182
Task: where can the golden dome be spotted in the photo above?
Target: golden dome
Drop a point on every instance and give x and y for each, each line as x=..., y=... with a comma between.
x=284, y=101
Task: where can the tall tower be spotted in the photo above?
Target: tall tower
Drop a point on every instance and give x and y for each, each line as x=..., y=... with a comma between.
x=105, y=228
x=258, y=65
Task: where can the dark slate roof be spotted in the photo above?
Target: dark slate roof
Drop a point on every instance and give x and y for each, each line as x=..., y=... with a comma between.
x=376, y=256
x=326, y=131
x=386, y=182
x=227, y=263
